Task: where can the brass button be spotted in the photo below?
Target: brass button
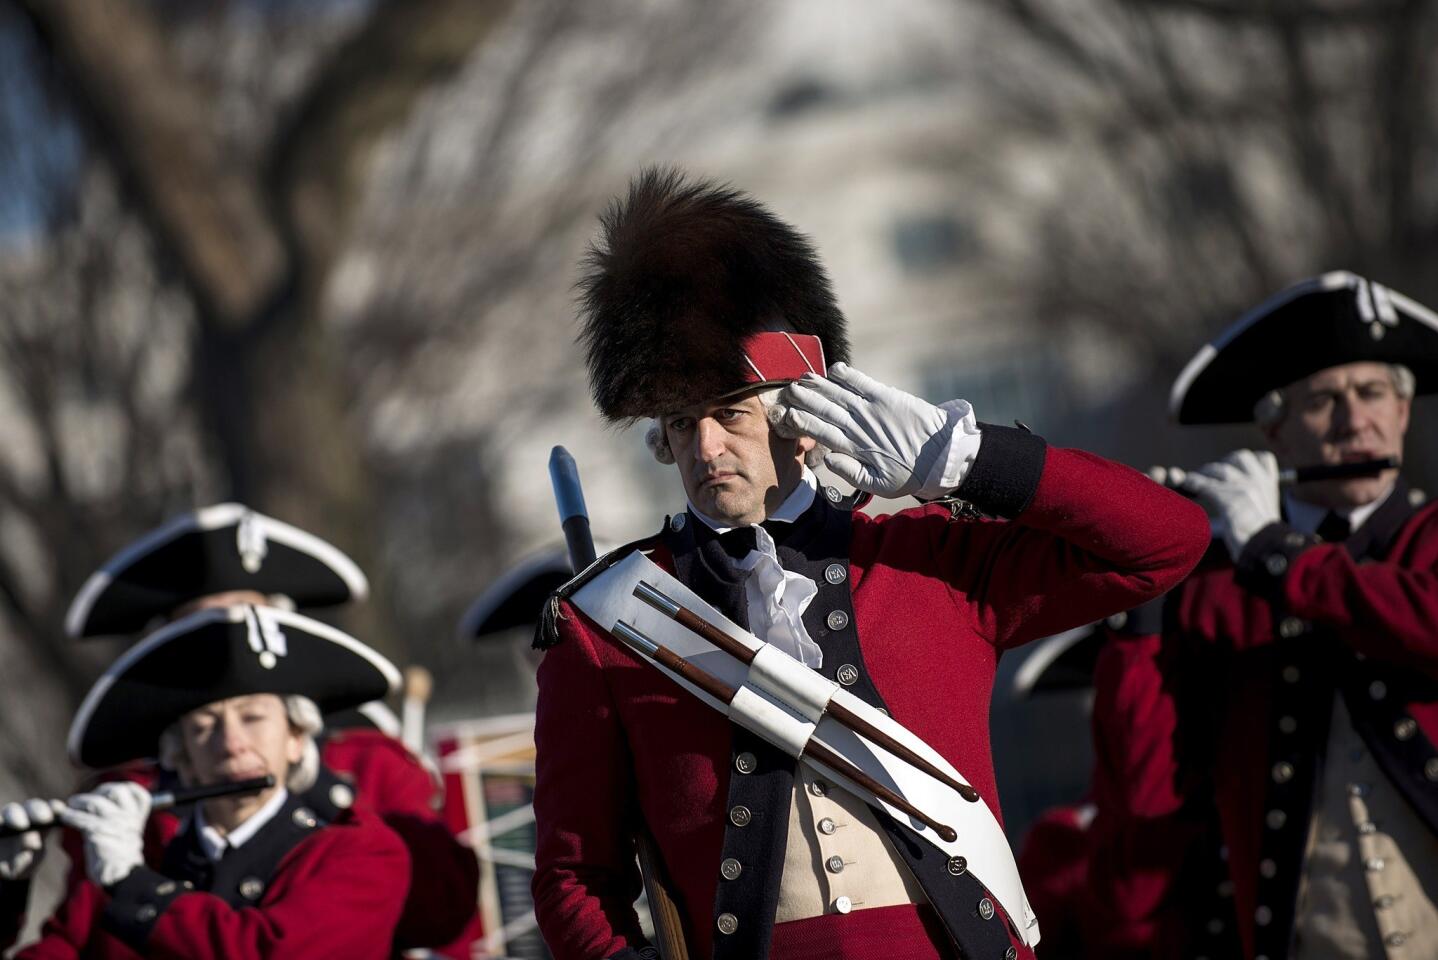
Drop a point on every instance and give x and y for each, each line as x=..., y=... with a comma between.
x=1396, y=939
x=342, y=796
x=730, y=869
x=146, y=913
x=1276, y=564
x=727, y=923
x=835, y=864
x=836, y=573
x=1267, y=869
x=833, y=494
x=1374, y=864
x=746, y=762
x=1012, y=953
x=251, y=888
x=304, y=817
x=957, y=866
x=847, y=674
x=1290, y=627
x=1367, y=827
x=986, y=908
x=740, y=816
x=1405, y=728
x=819, y=788
x=1430, y=769
x=1287, y=724
x=166, y=888
x=843, y=905
x=837, y=620
x=1282, y=771
x=1263, y=916
x=676, y=523
x=1276, y=819
x=1290, y=674
x=827, y=826
x=1377, y=690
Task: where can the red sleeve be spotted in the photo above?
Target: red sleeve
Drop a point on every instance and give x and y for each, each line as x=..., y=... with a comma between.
x=1095, y=538
x=1384, y=609
x=585, y=878
x=69, y=928
x=1141, y=832
x=337, y=894
x=392, y=782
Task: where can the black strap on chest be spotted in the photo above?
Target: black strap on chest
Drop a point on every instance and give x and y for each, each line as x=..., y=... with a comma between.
x=761, y=777
x=243, y=874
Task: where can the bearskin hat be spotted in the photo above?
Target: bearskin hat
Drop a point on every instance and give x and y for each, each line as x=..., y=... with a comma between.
x=682, y=272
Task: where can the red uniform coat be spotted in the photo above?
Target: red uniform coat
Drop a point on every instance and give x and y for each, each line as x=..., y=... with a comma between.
x=1241, y=682
x=936, y=601
x=441, y=910
x=338, y=893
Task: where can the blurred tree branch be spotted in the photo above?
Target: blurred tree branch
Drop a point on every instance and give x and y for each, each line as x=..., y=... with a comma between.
x=255, y=242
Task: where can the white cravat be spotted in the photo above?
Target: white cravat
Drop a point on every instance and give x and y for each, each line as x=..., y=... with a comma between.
x=215, y=843
x=777, y=598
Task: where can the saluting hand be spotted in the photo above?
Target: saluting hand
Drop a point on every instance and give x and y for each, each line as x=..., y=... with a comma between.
x=1240, y=493
x=20, y=853
x=882, y=440
x=112, y=818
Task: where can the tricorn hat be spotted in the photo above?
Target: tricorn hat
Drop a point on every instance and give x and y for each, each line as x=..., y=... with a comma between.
x=1323, y=322
x=213, y=655
x=693, y=291
x=213, y=550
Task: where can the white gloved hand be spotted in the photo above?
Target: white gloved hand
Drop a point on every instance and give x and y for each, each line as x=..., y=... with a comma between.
x=20, y=853
x=1240, y=493
x=112, y=818
x=882, y=440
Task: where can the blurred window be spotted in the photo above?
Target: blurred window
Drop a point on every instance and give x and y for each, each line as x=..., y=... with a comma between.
x=1023, y=382
x=927, y=242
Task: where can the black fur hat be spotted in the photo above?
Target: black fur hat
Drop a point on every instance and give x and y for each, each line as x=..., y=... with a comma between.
x=682, y=272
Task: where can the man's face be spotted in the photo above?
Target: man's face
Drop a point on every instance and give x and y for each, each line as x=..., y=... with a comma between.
x=1340, y=415
x=237, y=739
x=735, y=470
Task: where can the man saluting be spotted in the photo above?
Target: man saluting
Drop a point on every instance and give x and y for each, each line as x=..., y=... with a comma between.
x=703, y=311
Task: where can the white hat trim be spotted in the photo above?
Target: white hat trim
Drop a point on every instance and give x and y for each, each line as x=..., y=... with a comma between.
x=212, y=518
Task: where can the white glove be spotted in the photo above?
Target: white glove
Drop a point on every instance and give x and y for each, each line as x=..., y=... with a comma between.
x=112, y=818
x=882, y=440
x=20, y=854
x=1240, y=493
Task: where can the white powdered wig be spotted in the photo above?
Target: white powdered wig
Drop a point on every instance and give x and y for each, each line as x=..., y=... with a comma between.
x=658, y=443
x=1270, y=409
x=305, y=719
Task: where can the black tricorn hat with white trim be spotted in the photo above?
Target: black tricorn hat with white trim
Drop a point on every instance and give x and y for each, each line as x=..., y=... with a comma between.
x=212, y=550
x=683, y=274
x=1322, y=322
x=215, y=654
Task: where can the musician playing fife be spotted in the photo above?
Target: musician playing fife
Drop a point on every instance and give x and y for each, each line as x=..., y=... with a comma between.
x=706, y=313
x=1267, y=781
x=223, y=695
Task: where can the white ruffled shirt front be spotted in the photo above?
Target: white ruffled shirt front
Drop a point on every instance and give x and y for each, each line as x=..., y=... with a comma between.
x=777, y=598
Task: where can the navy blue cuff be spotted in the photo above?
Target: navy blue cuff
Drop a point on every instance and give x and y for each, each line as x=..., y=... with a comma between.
x=1264, y=562
x=1005, y=473
x=136, y=904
